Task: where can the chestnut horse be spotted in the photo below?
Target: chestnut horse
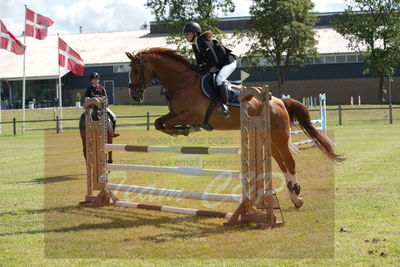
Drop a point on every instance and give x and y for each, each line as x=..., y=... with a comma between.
x=82, y=130
x=188, y=107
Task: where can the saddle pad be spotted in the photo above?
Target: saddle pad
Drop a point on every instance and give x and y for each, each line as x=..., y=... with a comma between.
x=209, y=91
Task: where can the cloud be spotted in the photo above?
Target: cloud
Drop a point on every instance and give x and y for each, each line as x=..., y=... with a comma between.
x=329, y=5
x=106, y=15
x=243, y=6
x=12, y=12
x=92, y=15
x=102, y=15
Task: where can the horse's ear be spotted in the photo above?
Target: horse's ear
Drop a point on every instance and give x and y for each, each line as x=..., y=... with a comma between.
x=129, y=55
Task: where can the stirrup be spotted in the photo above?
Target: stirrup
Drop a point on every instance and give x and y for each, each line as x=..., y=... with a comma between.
x=224, y=111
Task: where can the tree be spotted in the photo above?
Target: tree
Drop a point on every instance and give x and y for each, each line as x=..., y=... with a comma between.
x=373, y=29
x=173, y=14
x=281, y=32
x=144, y=26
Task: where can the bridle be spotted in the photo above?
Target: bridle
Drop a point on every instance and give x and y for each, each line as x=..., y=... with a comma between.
x=141, y=86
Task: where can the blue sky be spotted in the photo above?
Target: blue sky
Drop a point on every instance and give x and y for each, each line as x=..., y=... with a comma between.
x=105, y=15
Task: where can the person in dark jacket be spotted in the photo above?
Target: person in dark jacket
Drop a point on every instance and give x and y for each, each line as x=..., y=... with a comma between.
x=97, y=90
x=211, y=57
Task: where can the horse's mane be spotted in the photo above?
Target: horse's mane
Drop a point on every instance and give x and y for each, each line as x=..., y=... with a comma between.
x=164, y=52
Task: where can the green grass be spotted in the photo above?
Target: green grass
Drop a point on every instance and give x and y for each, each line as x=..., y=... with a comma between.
x=71, y=116
x=42, y=177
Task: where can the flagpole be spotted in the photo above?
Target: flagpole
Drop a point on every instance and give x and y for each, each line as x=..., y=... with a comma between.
x=1, y=91
x=24, y=81
x=59, y=82
x=58, y=47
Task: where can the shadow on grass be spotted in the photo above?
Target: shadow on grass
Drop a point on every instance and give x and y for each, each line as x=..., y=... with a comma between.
x=56, y=179
x=53, y=179
x=124, y=218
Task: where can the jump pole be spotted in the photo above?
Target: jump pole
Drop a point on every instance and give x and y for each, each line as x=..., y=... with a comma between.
x=258, y=195
x=257, y=202
x=174, y=149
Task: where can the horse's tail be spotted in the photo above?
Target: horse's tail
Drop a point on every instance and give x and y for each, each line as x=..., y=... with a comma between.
x=298, y=112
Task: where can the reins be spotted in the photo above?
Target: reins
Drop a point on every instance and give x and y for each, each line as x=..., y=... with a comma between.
x=142, y=86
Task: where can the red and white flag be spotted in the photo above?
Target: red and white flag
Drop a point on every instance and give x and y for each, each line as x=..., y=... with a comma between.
x=9, y=42
x=69, y=59
x=36, y=25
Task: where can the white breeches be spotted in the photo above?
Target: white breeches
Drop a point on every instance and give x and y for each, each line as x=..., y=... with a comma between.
x=112, y=114
x=225, y=72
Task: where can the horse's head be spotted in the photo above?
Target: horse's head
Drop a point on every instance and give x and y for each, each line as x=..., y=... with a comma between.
x=140, y=76
x=157, y=62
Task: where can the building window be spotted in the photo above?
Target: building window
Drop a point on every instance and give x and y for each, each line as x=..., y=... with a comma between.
x=320, y=60
x=340, y=59
x=121, y=68
x=351, y=58
x=361, y=58
x=309, y=60
x=329, y=59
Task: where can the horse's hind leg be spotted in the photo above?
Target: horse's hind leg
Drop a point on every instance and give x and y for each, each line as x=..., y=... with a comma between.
x=291, y=180
x=83, y=137
x=287, y=165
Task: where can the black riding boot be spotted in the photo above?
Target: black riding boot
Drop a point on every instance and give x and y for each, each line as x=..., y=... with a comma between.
x=223, y=91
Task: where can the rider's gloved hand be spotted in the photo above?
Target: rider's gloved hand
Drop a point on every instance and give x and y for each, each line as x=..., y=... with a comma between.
x=197, y=67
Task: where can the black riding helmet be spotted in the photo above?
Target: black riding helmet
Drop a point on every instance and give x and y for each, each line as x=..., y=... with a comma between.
x=191, y=27
x=95, y=75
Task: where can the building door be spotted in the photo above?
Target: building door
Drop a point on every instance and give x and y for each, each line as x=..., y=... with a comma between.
x=109, y=86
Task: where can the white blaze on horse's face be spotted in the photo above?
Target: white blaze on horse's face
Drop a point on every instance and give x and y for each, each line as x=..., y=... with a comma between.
x=130, y=79
x=137, y=83
x=129, y=73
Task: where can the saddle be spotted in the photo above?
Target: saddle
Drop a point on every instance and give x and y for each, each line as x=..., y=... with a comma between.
x=209, y=87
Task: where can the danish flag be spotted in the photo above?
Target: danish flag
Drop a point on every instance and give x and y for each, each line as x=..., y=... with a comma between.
x=36, y=25
x=69, y=59
x=9, y=42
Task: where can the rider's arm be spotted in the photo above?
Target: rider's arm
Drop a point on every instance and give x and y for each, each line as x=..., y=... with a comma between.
x=88, y=92
x=212, y=59
x=196, y=53
x=104, y=93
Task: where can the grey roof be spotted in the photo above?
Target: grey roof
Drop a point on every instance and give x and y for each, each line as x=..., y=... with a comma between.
x=331, y=42
x=109, y=47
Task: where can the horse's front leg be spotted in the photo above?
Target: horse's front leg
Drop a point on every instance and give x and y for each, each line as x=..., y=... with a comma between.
x=169, y=124
x=159, y=123
x=181, y=124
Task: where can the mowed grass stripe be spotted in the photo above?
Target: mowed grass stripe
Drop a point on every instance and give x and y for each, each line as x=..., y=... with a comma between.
x=365, y=204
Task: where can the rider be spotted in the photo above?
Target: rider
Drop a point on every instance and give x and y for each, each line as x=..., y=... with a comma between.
x=97, y=90
x=211, y=58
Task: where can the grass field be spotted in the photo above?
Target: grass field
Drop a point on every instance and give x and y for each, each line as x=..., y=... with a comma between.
x=350, y=216
x=71, y=116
